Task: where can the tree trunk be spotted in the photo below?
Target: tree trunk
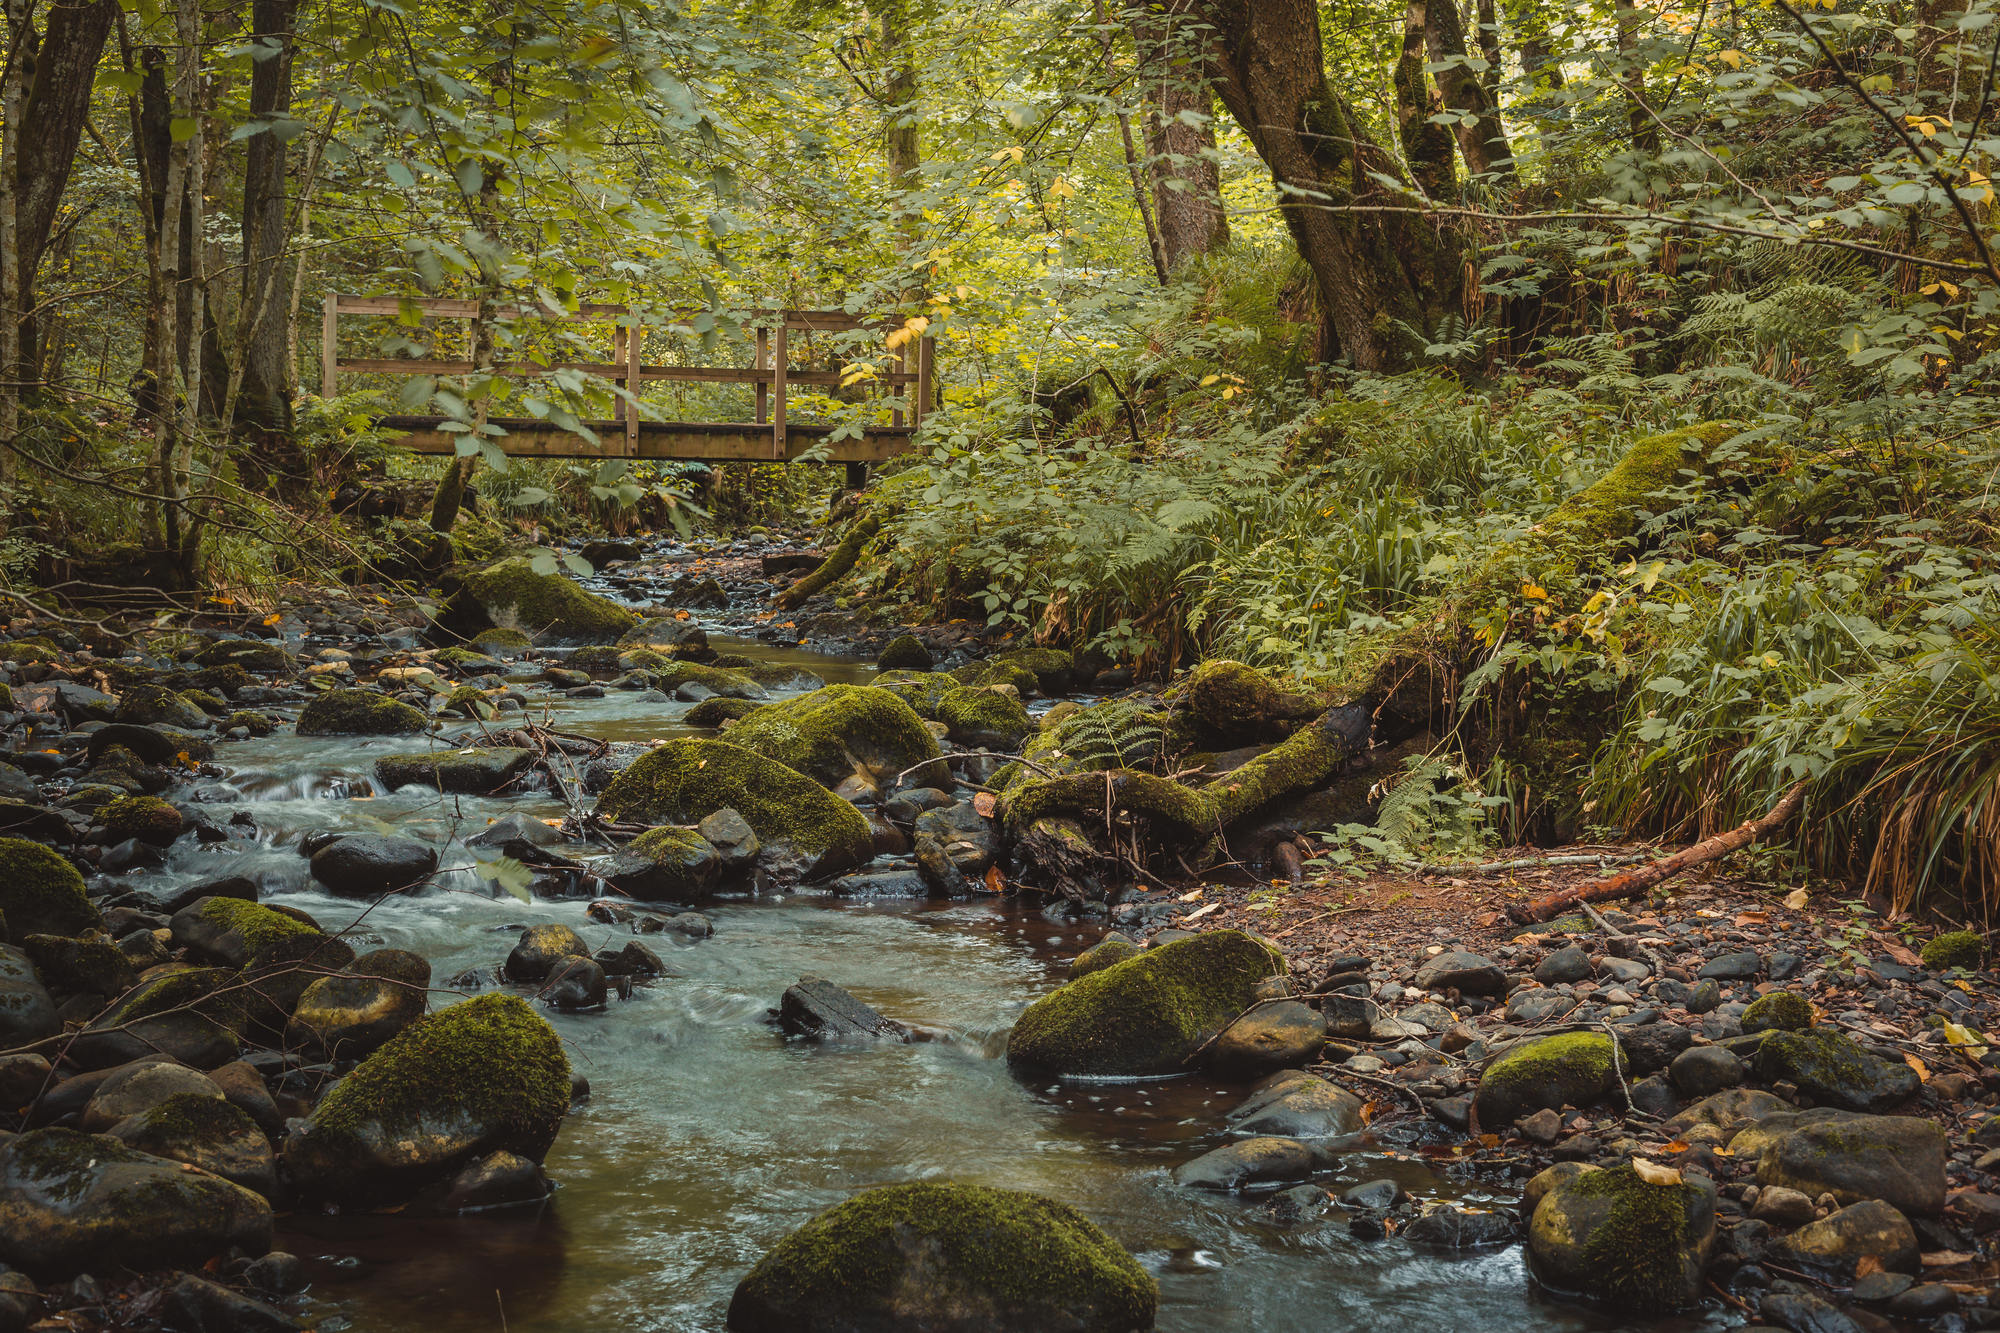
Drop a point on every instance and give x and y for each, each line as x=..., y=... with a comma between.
x=263, y=408
x=1645, y=135
x=58, y=104
x=902, y=151
x=1180, y=156
x=1386, y=279
x=1482, y=139
x=13, y=93
x=1489, y=51
x=1426, y=144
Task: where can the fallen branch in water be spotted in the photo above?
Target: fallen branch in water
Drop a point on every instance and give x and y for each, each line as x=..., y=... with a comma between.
x=1635, y=882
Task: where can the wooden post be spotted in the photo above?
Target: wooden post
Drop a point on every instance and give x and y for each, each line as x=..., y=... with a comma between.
x=329, y=347
x=635, y=341
x=763, y=363
x=902, y=368
x=920, y=396
x=780, y=363
x=618, y=359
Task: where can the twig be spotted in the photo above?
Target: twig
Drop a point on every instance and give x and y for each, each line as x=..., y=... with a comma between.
x=1538, y=862
x=1255, y=1005
x=1659, y=967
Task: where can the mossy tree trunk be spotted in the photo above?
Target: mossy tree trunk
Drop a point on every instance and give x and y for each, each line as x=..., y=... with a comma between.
x=1386, y=278
x=1482, y=139
x=1426, y=144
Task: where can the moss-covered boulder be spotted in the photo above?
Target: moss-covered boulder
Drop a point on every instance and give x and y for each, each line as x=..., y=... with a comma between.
x=236, y=933
x=987, y=674
x=1780, y=1011
x=541, y=949
x=81, y=964
x=479, y=771
x=905, y=652
x=503, y=643
x=714, y=712
x=347, y=1016
x=1615, y=1237
x=206, y=1132
x=1831, y=1069
x=1055, y=671
x=156, y=705
x=1568, y=1069
x=675, y=636
x=844, y=732
x=1147, y=1015
x=147, y=818
x=73, y=1202
x=359, y=713
x=801, y=824
x=552, y=607
x=1233, y=704
x=722, y=681
x=1866, y=1237
x=257, y=724
x=665, y=865
x=984, y=719
x=41, y=893
x=476, y=1078
x=946, y=1257
x=1897, y=1159
x=1954, y=948
x=1110, y=951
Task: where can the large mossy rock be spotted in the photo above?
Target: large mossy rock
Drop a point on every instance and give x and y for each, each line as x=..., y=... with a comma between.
x=984, y=719
x=1568, y=1069
x=476, y=1078
x=73, y=1202
x=946, y=1259
x=665, y=865
x=511, y=595
x=1897, y=1159
x=243, y=934
x=207, y=1132
x=797, y=820
x=1612, y=1236
x=349, y=1015
x=1831, y=1069
x=1232, y=704
x=1865, y=1237
x=359, y=713
x=843, y=732
x=480, y=771
x=1146, y=1015
x=41, y=893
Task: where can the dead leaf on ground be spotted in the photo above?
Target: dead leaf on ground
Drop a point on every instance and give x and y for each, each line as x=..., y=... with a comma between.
x=1796, y=900
x=1655, y=1174
x=985, y=802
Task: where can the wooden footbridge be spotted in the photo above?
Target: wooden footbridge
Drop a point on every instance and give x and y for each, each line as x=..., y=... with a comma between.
x=903, y=394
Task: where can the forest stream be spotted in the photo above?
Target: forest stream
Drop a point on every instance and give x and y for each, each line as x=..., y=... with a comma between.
x=708, y=1136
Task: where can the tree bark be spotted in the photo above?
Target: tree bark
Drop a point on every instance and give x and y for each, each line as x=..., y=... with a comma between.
x=902, y=150
x=13, y=93
x=1181, y=165
x=1482, y=139
x=1385, y=279
x=1489, y=50
x=1426, y=144
x=1645, y=135
x=263, y=409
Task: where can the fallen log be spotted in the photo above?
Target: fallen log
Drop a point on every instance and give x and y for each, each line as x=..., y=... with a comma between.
x=837, y=563
x=1632, y=883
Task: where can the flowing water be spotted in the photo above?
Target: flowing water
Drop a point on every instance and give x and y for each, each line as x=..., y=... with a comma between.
x=707, y=1137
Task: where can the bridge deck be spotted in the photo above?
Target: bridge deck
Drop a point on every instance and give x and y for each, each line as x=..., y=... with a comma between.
x=529, y=437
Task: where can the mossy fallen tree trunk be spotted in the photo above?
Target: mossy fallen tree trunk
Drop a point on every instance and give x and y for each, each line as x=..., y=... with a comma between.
x=835, y=566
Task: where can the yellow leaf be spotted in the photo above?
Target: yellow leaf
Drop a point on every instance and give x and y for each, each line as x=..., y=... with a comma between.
x=1062, y=189
x=1655, y=1174
x=1796, y=900
x=1731, y=58
x=1207, y=380
x=1534, y=592
x=1973, y=1042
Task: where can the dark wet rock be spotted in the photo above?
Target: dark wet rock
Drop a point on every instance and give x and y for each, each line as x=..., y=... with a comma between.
x=34, y=823
x=734, y=841
x=664, y=865
x=1704, y=998
x=634, y=960
x=817, y=1009
x=27, y=1012
x=1729, y=1110
x=195, y=1305
x=1567, y=964
x=1374, y=1196
x=136, y=1089
x=1866, y=1236
x=673, y=635
x=501, y=1180
x=1530, y=1007
x=22, y=1079
x=1614, y=1237
x=228, y=886
x=1467, y=973
x=208, y=1132
x=350, y=1015
x=1650, y=1047
x=1703, y=1070
x=512, y=835
x=477, y=1077
x=576, y=984
x=243, y=1088
x=147, y=818
x=1569, y=1069
x=1802, y=1312
x=1899, y=1160
x=155, y=705
x=895, y=883
x=359, y=713
x=369, y=865
x=1295, y=1206
x=1348, y=1016
x=276, y=1274
x=1264, y=1160
x=540, y=949
x=1927, y=1301
x=241, y=934
x=716, y=711
x=1269, y=1037
x=1656, y=1096
x=1300, y=1106
x=1742, y=965
x=71, y=1202
x=472, y=772
x=1830, y=1068
x=41, y=893
x=946, y=1257
x=1453, y=1227
x=693, y=925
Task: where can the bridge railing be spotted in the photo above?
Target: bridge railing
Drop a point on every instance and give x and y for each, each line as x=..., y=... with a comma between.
x=630, y=433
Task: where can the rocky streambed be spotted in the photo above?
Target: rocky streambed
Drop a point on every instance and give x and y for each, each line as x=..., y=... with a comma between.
x=260, y=883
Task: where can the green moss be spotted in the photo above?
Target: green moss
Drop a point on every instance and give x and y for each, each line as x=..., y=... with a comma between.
x=1638, y=1250
x=147, y=818
x=905, y=652
x=246, y=654
x=205, y=990
x=840, y=731
x=80, y=965
x=6, y=697
x=1146, y=1015
x=41, y=893
x=601, y=660
x=185, y=1119
x=1053, y=669
x=1233, y=704
x=1171, y=809
x=271, y=937
x=257, y=724
x=980, y=675
x=686, y=780
x=714, y=712
x=212, y=704
x=717, y=680
x=513, y=596
x=946, y=1255
x=492, y=1057
x=1304, y=760
x=502, y=642
x=1570, y=1068
x=984, y=719
x=224, y=680
x=359, y=713
x=1780, y=1010
x=920, y=690
x=35, y=648
x=1955, y=948
x=149, y=705
x=1105, y=953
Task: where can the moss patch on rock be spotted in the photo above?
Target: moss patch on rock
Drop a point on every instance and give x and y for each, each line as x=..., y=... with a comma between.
x=714, y=712
x=511, y=595
x=502, y=642
x=905, y=652
x=1612, y=1236
x=147, y=818
x=1779, y=1011
x=1146, y=1015
x=984, y=719
x=946, y=1256
x=41, y=893
x=1954, y=948
x=1568, y=1069
x=359, y=713
x=843, y=731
